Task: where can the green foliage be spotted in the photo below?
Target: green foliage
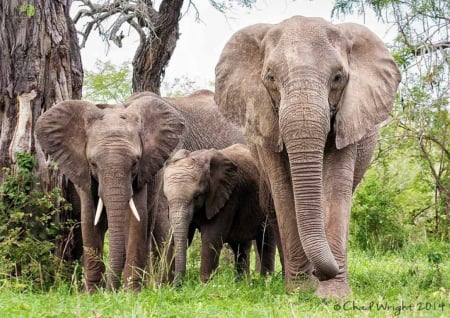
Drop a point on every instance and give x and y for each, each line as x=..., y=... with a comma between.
x=108, y=83
x=377, y=223
x=180, y=86
x=347, y=7
x=28, y=8
x=380, y=283
x=224, y=6
x=395, y=201
x=27, y=229
x=436, y=255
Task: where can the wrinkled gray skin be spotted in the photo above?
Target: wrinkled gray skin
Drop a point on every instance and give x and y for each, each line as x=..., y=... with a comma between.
x=205, y=128
x=114, y=153
x=314, y=96
x=216, y=192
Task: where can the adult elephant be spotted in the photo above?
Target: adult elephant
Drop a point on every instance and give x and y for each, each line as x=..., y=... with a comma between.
x=311, y=96
x=112, y=154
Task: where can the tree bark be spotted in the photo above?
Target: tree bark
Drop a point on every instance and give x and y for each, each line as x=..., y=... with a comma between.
x=158, y=31
x=156, y=49
x=40, y=66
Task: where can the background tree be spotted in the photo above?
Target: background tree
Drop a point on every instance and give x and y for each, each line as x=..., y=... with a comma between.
x=107, y=83
x=180, y=86
x=40, y=66
x=158, y=31
x=420, y=123
x=111, y=84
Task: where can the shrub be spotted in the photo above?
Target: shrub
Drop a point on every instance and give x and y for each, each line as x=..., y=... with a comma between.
x=377, y=222
x=27, y=229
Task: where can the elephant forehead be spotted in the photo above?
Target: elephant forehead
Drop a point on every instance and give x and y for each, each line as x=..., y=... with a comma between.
x=104, y=138
x=182, y=172
x=303, y=34
x=115, y=125
x=303, y=26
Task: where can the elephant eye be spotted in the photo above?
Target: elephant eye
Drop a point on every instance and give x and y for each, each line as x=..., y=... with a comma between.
x=338, y=77
x=93, y=165
x=135, y=162
x=270, y=77
x=197, y=196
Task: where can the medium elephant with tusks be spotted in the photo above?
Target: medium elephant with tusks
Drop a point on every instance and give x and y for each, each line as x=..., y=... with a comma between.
x=311, y=96
x=112, y=155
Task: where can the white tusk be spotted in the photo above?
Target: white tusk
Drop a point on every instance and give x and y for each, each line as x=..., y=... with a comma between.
x=98, y=213
x=134, y=210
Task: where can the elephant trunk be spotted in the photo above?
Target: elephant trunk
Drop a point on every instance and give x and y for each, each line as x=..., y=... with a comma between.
x=180, y=222
x=117, y=208
x=304, y=127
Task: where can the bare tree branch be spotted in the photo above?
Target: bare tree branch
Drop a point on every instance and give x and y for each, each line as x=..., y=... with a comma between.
x=426, y=49
x=97, y=14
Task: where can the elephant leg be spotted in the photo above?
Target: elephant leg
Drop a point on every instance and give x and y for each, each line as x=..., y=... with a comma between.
x=136, y=243
x=265, y=244
x=160, y=246
x=76, y=252
x=364, y=152
x=210, y=256
x=266, y=202
x=338, y=183
x=241, y=253
x=297, y=267
x=93, y=239
x=162, y=264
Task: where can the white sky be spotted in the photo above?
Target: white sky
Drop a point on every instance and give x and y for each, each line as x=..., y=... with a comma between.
x=201, y=43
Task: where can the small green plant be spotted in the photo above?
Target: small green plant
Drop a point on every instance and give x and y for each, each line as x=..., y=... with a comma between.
x=27, y=229
x=434, y=277
x=29, y=9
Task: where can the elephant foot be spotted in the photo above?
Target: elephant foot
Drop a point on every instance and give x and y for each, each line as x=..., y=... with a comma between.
x=302, y=283
x=177, y=279
x=132, y=286
x=112, y=284
x=333, y=288
x=90, y=289
x=92, y=286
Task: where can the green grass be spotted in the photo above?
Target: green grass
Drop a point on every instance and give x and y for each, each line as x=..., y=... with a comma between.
x=404, y=284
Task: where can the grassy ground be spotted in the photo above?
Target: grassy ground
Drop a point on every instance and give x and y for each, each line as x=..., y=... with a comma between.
x=410, y=283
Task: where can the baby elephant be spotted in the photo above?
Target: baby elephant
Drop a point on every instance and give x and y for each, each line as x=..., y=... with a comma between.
x=216, y=192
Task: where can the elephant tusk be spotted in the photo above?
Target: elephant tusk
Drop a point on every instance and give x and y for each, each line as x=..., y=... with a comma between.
x=134, y=210
x=98, y=213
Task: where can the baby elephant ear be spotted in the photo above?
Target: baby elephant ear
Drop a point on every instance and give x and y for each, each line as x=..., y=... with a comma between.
x=370, y=92
x=162, y=130
x=223, y=179
x=180, y=154
x=61, y=132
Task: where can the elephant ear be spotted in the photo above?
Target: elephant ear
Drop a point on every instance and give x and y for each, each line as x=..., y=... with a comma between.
x=223, y=179
x=370, y=92
x=178, y=155
x=61, y=132
x=162, y=130
x=239, y=91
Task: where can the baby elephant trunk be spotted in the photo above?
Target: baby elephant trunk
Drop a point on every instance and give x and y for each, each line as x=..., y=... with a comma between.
x=180, y=226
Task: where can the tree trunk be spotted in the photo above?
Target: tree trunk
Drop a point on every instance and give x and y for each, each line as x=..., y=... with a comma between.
x=155, y=51
x=40, y=66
